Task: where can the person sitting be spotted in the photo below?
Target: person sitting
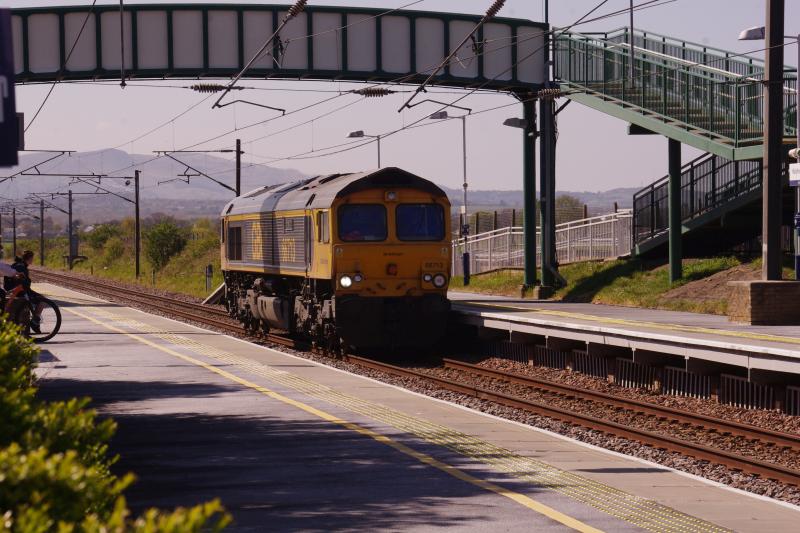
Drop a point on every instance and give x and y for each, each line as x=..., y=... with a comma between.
x=20, y=266
x=7, y=271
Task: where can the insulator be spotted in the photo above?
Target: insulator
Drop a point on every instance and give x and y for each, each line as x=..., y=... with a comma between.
x=373, y=92
x=207, y=87
x=298, y=7
x=492, y=11
x=550, y=94
x=212, y=87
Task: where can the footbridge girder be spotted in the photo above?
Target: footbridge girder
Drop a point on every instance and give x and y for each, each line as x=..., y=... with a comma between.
x=324, y=43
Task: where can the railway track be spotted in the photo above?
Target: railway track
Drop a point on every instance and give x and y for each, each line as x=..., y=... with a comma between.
x=205, y=315
x=218, y=318
x=198, y=313
x=746, y=431
x=698, y=451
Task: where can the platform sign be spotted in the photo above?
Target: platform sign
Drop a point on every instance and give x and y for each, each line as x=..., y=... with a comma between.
x=8, y=112
x=794, y=175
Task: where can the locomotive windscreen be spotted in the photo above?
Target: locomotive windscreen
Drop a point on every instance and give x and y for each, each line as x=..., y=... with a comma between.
x=362, y=222
x=420, y=222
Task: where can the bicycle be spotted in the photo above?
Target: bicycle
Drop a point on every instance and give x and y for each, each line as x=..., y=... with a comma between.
x=21, y=308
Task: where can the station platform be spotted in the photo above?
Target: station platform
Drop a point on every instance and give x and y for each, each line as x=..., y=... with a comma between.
x=689, y=335
x=290, y=444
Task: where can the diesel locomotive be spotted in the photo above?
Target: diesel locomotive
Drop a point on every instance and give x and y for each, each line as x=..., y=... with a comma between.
x=347, y=260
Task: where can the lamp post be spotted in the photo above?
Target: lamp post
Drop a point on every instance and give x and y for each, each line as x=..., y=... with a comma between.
x=443, y=115
x=758, y=33
x=358, y=134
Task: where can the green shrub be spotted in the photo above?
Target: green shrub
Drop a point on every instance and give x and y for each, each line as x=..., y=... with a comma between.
x=113, y=250
x=162, y=241
x=100, y=235
x=54, y=464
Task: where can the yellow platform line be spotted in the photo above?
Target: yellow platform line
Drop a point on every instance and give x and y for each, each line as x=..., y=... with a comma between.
x=424, y=458
x=644, y=513
x=638, y=323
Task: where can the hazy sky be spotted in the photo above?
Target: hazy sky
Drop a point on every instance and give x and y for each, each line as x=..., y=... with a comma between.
x=594, y=152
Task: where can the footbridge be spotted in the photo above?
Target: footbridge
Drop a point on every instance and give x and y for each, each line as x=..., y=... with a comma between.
x=692, y=94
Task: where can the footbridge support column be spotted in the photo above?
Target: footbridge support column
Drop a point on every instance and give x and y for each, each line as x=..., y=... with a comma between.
x=529, y=191
x=547, y=192
x=675, y=218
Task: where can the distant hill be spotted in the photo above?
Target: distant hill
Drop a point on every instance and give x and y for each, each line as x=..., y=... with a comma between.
x=597, y=202
x=164, y=188
x=161, y=177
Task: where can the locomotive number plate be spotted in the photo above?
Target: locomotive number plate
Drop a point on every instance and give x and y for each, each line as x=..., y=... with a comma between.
x=433, y=265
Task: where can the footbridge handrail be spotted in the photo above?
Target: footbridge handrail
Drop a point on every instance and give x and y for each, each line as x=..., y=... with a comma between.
x=750, y=64
x=673, y=92
x=660, y=57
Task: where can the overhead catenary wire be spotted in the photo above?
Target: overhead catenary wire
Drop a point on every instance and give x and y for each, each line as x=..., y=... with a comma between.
x=397, y=80
x=383, y=136
x=641, y=6
x=401, y=79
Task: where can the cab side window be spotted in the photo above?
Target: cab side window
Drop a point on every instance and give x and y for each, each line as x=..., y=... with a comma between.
x=323, y=228
x=234, y=243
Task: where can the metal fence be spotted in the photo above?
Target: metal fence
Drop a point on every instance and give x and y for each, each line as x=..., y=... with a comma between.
x=742, y=393
x=594, y=238
x=483, y=221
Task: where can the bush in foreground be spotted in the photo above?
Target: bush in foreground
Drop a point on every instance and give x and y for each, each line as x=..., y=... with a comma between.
x=55, y=471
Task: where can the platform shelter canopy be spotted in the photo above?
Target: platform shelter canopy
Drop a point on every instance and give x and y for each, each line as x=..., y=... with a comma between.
x=216, y=40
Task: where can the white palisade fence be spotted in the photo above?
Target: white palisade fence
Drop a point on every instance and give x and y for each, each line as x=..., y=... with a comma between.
x=588, y=239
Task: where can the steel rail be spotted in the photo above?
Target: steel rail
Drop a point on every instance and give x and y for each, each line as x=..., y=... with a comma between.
x=187, y=310
x=747, y=431
x=672, y=444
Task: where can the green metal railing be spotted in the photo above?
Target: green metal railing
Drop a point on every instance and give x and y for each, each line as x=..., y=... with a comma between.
x=687, y=51
x=708, y=183
x=699, y=89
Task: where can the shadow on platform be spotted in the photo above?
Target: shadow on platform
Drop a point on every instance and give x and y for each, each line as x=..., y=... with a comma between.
x=274, y=468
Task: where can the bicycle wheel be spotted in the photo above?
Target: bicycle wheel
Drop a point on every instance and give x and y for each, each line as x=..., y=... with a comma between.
x=49, y=321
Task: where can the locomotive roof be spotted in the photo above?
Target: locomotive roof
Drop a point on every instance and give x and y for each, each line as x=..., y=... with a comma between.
x=320, y=192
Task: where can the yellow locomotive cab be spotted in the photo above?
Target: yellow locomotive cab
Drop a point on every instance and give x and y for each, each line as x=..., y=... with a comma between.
x=355, y=259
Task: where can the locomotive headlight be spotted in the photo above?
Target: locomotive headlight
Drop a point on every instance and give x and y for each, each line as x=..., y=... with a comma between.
x=346, y=281
x=358, y=278
x=439, y=281
x=427, y=278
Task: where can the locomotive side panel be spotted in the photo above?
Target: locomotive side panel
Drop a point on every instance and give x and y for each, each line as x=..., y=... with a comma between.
x=271, y=243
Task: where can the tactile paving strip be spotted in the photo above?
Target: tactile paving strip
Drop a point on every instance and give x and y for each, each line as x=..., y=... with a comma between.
x=633, y=509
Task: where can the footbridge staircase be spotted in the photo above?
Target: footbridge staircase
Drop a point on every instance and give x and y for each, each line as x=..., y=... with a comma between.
x=703, y=97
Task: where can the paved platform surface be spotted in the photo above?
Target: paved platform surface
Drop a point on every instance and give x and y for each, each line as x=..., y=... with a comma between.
x=702, y=336
x=288, y=444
